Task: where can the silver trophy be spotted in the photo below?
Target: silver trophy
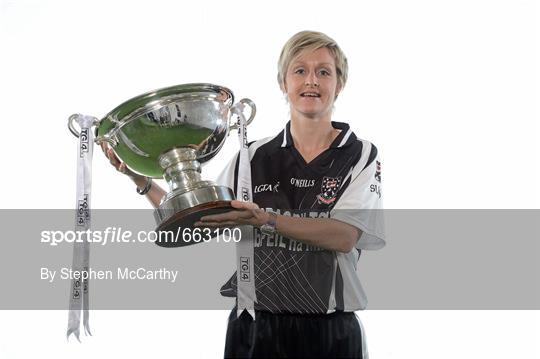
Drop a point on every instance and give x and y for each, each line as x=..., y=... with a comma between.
x=169, y=133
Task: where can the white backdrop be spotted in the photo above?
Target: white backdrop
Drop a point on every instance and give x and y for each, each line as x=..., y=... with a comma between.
x=446, y=90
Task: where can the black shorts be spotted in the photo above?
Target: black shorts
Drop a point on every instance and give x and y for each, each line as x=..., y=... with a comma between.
x=335, y=335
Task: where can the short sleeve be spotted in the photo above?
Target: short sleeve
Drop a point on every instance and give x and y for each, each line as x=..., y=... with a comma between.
x=361, y=203
x=228, y=174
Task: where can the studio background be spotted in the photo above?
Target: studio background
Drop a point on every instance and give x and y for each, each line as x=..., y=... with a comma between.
x=446, y=90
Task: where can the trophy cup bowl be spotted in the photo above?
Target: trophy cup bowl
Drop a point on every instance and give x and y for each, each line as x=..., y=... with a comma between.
x=169, y=133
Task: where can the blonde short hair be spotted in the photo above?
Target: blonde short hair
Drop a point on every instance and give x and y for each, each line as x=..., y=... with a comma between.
x=311, y=40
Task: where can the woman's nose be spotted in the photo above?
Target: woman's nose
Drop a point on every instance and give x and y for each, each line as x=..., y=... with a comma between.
x=312, y=80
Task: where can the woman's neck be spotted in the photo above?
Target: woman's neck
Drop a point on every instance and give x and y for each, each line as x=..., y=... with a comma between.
x=312, y=136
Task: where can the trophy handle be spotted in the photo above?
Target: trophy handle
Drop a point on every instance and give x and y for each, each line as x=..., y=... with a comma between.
x=242, y=103
x=71, y=126
x=111, y=141
x=98, y=139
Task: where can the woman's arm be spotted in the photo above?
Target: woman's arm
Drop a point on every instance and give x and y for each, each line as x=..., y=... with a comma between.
x=326, y=233
x=155, y=193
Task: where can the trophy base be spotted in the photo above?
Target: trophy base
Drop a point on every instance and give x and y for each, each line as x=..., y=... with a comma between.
x=180, y=212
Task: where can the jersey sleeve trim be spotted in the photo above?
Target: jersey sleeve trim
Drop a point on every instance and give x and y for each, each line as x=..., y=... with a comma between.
x=361, y=205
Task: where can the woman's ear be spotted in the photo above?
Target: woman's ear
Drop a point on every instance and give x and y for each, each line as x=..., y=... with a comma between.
x=338, y=90
x=283, y=86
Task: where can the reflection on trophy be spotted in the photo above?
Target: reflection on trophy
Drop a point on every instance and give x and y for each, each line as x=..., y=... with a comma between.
x=170, y=133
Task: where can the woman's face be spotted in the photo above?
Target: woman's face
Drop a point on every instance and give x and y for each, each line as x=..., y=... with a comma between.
x=311, y=83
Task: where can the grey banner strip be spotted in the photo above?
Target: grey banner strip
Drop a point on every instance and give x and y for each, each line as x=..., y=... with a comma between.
x=434, y=259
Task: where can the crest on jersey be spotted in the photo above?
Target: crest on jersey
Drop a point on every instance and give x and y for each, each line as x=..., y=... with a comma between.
x=378, y=172
x=329, y=189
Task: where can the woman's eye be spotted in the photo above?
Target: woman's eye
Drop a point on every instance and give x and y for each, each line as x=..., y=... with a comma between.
x=325, y=72
x=299, y=71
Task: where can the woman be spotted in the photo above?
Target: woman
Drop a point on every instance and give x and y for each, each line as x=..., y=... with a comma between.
x=319, y=186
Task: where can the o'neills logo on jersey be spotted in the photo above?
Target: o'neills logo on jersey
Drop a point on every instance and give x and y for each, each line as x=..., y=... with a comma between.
x=302, y=183
x=329, y=189
x=266, y=187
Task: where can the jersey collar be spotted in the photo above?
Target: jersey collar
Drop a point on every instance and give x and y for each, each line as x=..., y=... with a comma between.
x=345, y=137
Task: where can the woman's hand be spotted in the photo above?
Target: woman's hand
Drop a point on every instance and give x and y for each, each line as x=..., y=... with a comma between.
x=154, y=195
x=326, y=233
x=116, y=163
x=245, y=213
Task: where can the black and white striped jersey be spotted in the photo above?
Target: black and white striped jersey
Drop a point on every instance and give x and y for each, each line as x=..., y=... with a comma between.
x=344, y=183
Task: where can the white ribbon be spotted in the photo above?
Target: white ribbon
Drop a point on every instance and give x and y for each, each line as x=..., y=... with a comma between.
x=245, y=278
x=79, y=293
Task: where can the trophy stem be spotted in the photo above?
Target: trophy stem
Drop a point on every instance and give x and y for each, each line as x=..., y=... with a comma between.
x=190, y=197
x=182, y=171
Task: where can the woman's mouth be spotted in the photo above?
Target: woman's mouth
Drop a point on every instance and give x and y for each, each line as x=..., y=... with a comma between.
x=310, y=94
